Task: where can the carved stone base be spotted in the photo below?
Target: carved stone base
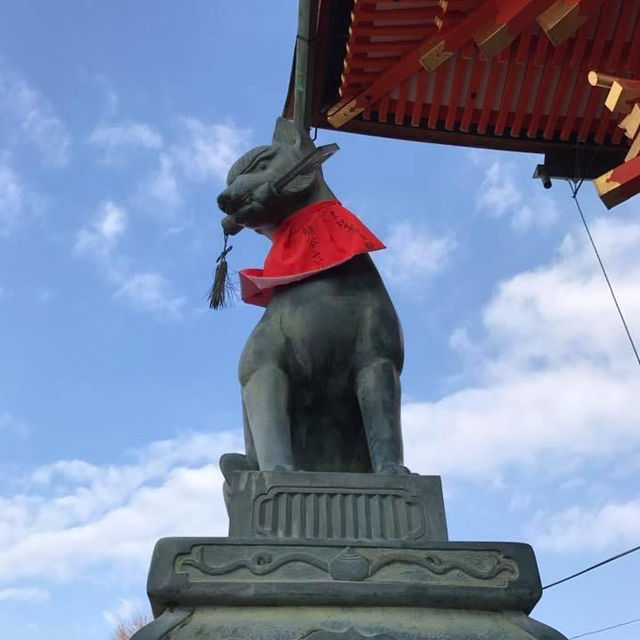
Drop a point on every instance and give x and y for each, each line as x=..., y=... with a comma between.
x=336, y=506
x=252, y=590
x=341, y=557
x=343, y=623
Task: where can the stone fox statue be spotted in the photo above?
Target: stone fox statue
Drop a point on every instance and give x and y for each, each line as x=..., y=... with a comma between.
x=320, y=371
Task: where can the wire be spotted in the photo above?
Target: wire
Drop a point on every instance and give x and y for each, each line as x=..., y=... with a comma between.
x=574, y=192
x=578, y=180
x=615, y=626
x=595, y=566
x=575, y=186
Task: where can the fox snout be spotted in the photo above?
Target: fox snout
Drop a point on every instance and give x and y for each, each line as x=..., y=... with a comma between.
x=230, y=200
x=247, y=203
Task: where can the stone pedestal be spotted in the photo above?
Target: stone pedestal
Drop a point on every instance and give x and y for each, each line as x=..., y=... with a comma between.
x=323, y=507
x=341, y=557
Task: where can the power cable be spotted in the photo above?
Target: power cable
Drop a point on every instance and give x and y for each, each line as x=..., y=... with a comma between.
x=614, y=626
x=595, y=566
x=574, y=194
x=575, y=186
x=578, y=179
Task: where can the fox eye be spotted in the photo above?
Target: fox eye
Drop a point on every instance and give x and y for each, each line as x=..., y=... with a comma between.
x=262, y=165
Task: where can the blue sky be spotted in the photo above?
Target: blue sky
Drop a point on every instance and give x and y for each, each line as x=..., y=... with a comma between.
x=118, y=386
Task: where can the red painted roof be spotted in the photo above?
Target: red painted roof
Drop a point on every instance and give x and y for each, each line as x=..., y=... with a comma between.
x=531, y=95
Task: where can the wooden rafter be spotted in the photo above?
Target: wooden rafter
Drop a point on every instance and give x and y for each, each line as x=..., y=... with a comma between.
x=529, y=96
x=511, y=20
x=410, y=62
x=619, y=184
x=564, y=17
x=623, y=96
x=492, y=25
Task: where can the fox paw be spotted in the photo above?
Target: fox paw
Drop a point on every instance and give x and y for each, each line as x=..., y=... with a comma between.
x=230, y=462
x=393, y=469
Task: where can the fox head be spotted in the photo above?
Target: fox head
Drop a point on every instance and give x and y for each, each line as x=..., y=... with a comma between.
x=250, y=199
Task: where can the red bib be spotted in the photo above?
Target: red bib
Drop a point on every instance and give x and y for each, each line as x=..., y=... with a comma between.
x=318, y=237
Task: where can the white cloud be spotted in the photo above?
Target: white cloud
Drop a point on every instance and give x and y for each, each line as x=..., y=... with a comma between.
x=614, y=523
x=563, y=312
x=73, y=516
x=101, y=236
x=534, y=421
x=132, y=134
x=149, y=292
x=210, y=149
x=143, y=291
x=115, y=139
x=22, y=594
x=161, y=190
x=500, y=195
x=552, y=384
x=413, y=255
x=125, y=611
x=10, y=423
x=22, y=108
x=111, y=100
x=203, y=152
x=198, y=152
x=13, y=200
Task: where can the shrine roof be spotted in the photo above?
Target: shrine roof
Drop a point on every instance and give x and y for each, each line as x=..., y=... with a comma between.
x=501, y=74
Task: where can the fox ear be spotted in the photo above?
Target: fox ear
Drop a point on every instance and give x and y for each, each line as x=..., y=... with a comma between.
x=287, y=132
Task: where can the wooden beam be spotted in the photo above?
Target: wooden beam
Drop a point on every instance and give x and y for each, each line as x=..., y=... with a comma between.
x=634, y=150
x=392, y=15
x=440, y=48
x=619, y=184
x=567, y=163
x=631, y=124
x=623, y=93
x=603, y=80
x=564, y=17
x=493, y=37
x=511, y=20
x=431, y=53
x=373, y=127
x=303, y=80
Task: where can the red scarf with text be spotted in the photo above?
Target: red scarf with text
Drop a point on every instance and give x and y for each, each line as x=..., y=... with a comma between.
x=315, y=238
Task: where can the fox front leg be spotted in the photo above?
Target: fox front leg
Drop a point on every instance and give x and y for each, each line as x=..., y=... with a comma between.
x=378, y=391
x=266, y=400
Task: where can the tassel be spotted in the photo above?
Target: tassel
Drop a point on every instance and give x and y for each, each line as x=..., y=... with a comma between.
x=222, y=291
